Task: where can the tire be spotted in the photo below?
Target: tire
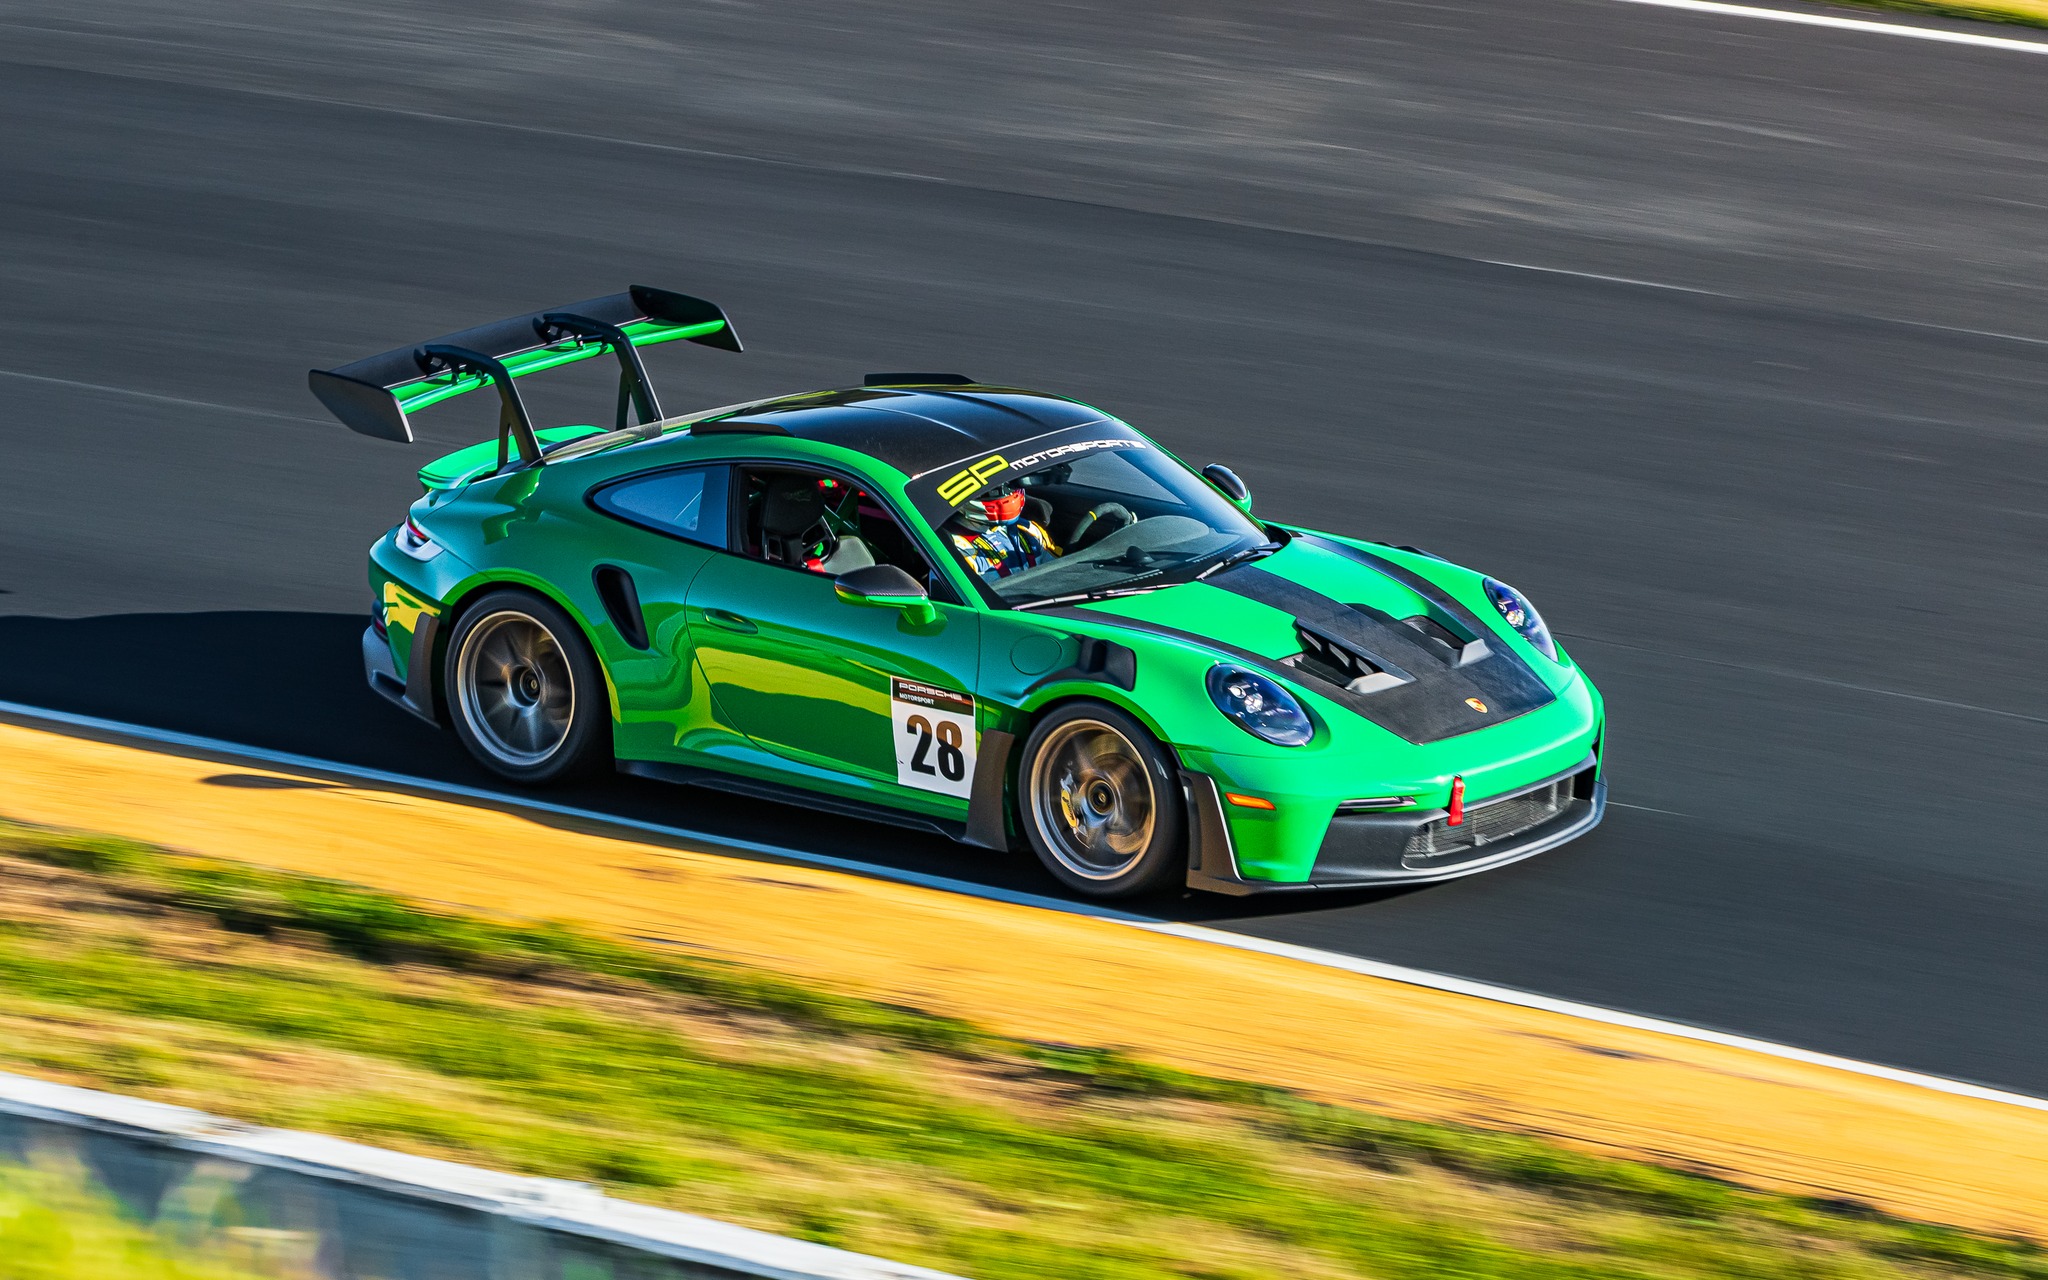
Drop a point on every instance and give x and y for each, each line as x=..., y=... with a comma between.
x=525, y=692
x=1100, y=801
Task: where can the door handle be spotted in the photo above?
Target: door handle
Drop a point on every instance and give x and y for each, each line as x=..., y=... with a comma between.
x=730, y=621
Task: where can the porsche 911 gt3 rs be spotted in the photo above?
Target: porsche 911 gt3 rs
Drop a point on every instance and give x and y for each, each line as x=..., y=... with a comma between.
x=999, y=614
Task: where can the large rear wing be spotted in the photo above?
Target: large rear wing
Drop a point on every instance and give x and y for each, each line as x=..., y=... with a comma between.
x=373, y=396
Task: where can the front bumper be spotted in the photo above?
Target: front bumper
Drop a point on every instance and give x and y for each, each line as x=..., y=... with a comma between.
x=1414, y=847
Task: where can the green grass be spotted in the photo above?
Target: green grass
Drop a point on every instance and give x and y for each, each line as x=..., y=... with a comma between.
x=730, y=1091
x=2023, y=13
x=56, y=1225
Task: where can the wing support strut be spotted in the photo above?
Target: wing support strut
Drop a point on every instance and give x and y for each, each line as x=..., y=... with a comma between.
x=515, y=425
x=636, y=389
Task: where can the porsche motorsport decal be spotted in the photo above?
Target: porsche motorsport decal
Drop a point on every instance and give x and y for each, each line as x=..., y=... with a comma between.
x=934, y=730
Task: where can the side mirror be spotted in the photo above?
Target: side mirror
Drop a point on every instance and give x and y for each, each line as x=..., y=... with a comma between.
x=885, y=586
x=1228, y=483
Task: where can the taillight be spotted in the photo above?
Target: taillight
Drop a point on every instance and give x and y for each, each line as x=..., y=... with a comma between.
x=414, y=541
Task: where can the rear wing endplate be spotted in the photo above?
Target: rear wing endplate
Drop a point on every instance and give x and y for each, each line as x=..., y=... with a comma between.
x=374, y=396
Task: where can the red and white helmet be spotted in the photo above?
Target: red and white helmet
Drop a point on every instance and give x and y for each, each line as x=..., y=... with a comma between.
x=1003, y=503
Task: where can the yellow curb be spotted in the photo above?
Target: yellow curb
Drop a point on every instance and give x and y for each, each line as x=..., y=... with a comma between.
x=1047, y=975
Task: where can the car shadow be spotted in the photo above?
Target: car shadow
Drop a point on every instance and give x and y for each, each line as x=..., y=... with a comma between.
x=292, y=682
x=281, y=681
x=1187, y=907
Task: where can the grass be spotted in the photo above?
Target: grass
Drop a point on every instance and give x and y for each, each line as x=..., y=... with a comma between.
x=724, y=1090
x=2024, y=13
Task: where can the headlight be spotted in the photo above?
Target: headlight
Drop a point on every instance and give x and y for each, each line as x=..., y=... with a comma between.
x=1522, y=616
x=1260, y=706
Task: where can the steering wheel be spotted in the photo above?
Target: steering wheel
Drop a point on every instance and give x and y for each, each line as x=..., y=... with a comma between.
x=1099, y=523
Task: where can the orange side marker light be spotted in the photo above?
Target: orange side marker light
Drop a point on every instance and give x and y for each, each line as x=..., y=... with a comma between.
x=1248, y=802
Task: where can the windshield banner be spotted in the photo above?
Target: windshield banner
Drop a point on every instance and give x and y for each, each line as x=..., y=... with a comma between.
x=943, y=490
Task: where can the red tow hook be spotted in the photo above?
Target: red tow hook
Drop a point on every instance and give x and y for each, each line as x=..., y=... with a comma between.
x=1457, y=815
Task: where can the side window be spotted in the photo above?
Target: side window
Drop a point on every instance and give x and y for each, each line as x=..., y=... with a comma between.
x=687, y=503
x=824, y=524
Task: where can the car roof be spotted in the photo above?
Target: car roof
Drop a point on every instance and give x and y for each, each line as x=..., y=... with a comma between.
x=913, y=429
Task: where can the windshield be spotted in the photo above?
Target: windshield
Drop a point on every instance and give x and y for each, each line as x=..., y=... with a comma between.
x=1113, y=520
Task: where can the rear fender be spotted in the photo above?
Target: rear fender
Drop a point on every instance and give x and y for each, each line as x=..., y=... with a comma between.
x=475, y=587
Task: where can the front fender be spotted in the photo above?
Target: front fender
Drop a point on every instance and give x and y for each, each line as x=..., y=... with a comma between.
x=1031, y=661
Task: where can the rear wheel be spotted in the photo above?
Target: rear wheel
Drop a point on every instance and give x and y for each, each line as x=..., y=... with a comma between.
x=1100, y=803
x=525, y=692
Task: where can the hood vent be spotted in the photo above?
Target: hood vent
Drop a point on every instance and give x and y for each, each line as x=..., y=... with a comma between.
x=1340, y=664
x=1403, y=677
x=1447, y=643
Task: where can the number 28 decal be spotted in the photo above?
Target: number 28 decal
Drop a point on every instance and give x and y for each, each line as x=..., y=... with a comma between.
x=952, y=765
x=934, y=731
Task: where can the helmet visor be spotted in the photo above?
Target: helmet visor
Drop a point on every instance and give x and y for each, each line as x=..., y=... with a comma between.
x=1004, y=507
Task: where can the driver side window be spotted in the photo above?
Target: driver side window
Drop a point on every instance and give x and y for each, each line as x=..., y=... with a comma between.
x=824, y=524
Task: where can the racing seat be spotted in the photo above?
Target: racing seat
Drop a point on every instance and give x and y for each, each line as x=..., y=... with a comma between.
x=792, y=510
x=793, y=524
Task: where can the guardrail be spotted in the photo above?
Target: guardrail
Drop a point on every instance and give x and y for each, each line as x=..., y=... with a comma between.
x=346, y=1211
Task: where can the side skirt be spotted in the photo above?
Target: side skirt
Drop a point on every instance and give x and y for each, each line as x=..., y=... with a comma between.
x=713, y=779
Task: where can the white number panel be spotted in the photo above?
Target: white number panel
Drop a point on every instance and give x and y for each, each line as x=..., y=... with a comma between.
x=934, y=737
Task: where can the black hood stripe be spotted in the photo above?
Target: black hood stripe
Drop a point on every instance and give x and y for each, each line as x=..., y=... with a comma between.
x=1431, y=703
x=1457, y=718
x=1407, y=577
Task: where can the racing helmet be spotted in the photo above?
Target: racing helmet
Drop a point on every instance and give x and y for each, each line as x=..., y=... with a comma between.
x=1001, y=503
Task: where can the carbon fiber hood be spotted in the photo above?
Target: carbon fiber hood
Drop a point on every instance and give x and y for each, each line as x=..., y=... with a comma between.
x=1360, y=630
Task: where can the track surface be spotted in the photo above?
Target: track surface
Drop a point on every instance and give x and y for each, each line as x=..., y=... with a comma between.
x=1792, y=524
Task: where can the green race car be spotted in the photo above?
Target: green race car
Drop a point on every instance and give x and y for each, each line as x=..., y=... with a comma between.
x=998, y=614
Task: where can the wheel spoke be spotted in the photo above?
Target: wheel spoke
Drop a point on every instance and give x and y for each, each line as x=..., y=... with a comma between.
x=1092, y=799
x=517, y=690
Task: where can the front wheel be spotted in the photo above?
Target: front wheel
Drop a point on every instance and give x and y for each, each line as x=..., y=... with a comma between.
x=525, y=691
x=1100, y=803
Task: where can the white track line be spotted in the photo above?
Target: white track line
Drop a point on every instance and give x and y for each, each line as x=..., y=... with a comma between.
x=1198, y=933
x=1852, y=24
x=155, y=397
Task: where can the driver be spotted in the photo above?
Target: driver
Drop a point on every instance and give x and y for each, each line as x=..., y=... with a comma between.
x=995, y=537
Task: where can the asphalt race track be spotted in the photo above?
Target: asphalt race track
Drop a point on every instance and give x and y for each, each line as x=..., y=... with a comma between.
x=1754, y=409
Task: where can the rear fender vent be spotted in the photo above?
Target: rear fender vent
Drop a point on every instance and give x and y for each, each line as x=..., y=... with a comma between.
x=621, y=602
